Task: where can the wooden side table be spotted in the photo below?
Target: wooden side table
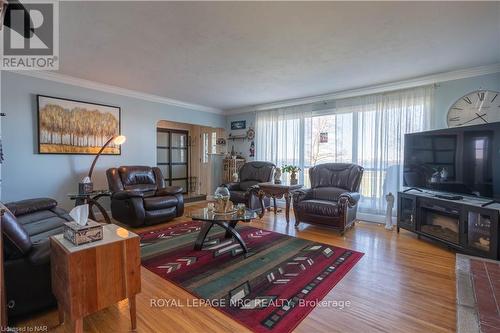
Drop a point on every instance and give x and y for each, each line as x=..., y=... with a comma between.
x=93, y=276
x=277, y=191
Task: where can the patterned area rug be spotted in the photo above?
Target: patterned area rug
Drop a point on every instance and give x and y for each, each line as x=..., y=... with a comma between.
x=270, y=289
x=478, y=295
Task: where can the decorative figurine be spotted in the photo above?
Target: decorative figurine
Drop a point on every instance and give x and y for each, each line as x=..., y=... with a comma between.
x=252, y=149
x=388, y=215
x=234, y=177
x=277, y=176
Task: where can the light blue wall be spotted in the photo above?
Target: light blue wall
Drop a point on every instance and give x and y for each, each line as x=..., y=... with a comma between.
x=28, y=174
x=449, y=92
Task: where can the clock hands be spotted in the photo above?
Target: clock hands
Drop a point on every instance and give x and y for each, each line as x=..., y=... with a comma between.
x=479, y=116
x=482, y=117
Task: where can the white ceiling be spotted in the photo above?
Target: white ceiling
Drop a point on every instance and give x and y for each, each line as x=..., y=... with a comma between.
x=233, y=54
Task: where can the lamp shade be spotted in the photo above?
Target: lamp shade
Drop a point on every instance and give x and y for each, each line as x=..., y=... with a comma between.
x=119, y=140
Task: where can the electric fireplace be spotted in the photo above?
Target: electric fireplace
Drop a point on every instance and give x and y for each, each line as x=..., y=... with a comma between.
x=440, y=223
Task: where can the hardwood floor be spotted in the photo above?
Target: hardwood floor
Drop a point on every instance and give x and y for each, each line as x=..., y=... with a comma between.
x=402, y=284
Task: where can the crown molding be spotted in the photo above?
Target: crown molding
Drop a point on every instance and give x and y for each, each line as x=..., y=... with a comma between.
x=82, y=83
x=375, y=89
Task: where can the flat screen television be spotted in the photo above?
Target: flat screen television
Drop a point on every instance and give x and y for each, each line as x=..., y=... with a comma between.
x=461, y=160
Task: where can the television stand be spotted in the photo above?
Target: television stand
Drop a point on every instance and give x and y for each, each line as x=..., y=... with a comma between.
x=470, y=225
x=490, y=203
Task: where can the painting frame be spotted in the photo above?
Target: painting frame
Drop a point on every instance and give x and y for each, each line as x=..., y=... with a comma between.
x=238, y=125
x=115, y=108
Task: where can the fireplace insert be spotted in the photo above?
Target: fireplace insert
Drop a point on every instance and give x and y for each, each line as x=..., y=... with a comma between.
x=441, y=222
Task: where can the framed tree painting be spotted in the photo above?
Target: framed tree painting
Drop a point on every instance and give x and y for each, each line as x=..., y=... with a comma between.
x=73, y=127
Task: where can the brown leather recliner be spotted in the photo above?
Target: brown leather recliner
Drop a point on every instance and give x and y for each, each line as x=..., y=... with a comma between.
x=333, y=197
x=140, y=197
x=250, y=174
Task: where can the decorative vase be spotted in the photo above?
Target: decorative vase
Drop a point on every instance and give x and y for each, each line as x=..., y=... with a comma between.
x=293, y=178
x=221, y=197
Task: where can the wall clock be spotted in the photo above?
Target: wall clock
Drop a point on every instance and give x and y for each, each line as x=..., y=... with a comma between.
x=477, y=107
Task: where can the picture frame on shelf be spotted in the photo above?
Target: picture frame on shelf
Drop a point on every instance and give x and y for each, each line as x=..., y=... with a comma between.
x=238, y=125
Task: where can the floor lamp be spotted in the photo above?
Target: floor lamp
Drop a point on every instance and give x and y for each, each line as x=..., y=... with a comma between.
x=86, y=184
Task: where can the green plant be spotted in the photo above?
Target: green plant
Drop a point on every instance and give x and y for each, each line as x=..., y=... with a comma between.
x=290, y=168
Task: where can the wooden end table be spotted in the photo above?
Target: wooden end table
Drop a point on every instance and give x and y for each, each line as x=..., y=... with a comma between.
x=93, y=276
x=276, y=191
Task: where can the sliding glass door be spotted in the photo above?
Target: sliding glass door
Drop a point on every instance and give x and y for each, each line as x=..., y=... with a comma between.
x=172, y=156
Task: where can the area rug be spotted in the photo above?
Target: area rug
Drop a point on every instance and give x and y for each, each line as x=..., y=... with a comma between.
x=478, y=295
x=270, y=289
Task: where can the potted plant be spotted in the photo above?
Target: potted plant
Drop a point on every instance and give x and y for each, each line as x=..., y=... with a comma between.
x=292, y=169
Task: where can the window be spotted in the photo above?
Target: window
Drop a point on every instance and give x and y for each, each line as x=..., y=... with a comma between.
x=214, y=143
x=328, y=138
x=205, y=148
x=367, y=130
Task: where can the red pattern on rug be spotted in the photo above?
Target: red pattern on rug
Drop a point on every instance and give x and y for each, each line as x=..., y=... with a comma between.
x=486, y=282
x=273, y=289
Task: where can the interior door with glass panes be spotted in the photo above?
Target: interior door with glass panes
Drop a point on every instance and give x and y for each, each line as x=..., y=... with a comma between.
x=206, y=166
x=172, y=156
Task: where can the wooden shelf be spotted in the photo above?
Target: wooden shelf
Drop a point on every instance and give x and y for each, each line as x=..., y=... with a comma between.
x=237, y=137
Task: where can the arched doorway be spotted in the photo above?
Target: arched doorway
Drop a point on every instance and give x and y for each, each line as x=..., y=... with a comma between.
x=188, y=156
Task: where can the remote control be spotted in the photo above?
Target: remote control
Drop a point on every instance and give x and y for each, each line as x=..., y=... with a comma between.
x=449, y=197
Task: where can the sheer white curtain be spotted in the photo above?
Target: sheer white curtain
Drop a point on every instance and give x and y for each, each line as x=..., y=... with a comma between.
x=279, y=135
x=367, y=130
x=380, y=123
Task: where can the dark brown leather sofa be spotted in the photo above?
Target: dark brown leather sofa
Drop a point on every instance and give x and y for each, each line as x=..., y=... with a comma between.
x=140, y=197
x=333, y=197
x=250, y=175
x=26, y=227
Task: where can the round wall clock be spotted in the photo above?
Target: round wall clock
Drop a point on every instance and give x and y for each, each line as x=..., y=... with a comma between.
x=477, y=107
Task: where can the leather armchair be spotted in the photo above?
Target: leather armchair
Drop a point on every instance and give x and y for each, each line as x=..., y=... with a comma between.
x=250, y=174
x=139, y=196
x=26, y=227
x=333, y=197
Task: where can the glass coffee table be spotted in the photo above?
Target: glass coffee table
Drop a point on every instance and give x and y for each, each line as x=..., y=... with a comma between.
x=227, y=221
x=92, y=199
